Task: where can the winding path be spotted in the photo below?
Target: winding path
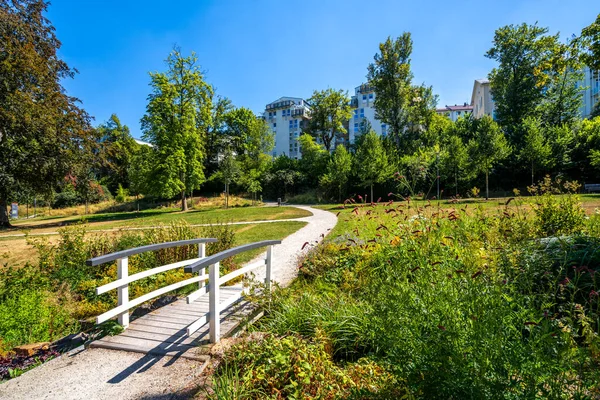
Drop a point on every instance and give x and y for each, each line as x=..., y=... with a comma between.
x=98, y=373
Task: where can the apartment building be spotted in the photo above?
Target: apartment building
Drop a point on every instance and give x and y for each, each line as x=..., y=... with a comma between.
x=363, y=108
x=591, y=92
x=287, y=117
x=481, y=99
x=456, y=111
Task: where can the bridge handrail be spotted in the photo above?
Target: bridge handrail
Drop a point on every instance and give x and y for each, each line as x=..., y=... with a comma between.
x=124, y=304
x=137, y=250
x=215, y=258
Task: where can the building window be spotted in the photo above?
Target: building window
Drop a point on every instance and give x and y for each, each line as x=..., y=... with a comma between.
x=364, y=97
x=362, y=112
x=356, y=113
x=370, y=96
x=274, y=125
x=356, y=127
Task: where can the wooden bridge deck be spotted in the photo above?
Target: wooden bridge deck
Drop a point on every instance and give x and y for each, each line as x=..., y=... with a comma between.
x=163, y=331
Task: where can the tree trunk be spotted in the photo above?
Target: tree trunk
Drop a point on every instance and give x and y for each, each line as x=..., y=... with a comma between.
x=371, y=192
x=532, y=174
x=184, y=206
x=226, y=195
x=487, y=190
x=340, y=194
x=4, y=222
x=456, y=182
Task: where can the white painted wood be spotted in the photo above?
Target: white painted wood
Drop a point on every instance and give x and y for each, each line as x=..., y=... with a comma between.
x=197, y=294
x=241, y=271
x=269, y=263
x=123, y=291
x=228, y=302
x=199, y=323
x=121, y=309
x=213, y=307
x=201, y=255
x=144, y=274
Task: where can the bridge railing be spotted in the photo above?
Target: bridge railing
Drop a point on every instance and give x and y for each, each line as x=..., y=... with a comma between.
x=124, y=304
x=215, y=281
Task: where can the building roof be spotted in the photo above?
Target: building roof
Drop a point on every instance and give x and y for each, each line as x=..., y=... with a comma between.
x=142, y=143
x=465, y=107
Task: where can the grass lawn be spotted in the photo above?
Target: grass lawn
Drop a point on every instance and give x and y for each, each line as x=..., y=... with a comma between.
x=156, y=217
x=16, y=251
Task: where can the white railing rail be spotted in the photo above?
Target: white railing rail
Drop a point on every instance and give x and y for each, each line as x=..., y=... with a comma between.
x=215, y=281
x=124, y=304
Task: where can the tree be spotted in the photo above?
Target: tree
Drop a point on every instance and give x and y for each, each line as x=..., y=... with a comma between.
x=177, y=118
x=488, y=147
x=523, y=53
x=590, y=40
x=216, y=133
x=116, y=150
x=330, y=109
x=314, y=158
x=407, y=109
x=454, y=158
x=391, y=78
x=42, y=129
x=229, y=171
x=371, y=161
x=238, y=123
x=338, y=170
x=536, y=150
x=255, y=161
x=562, y=96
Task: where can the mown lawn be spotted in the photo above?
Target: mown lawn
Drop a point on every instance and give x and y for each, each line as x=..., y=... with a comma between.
x=156, y=217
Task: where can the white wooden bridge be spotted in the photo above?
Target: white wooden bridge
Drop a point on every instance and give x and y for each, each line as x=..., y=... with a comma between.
x=179, y=328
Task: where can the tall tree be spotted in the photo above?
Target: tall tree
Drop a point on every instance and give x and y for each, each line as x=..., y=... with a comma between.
x=314, y=159
x=330, y=109
x=116, y=150
x=562, y=96
x=177, y=117
x=406, y=108
x=518, y=82
x=338, y=170
x=371, y=161
x=536, y=150
x=215, y=133
x=590, y=40
x=229, y=171
x=255, y=160
x=41, y=128
x=391, y=79
x=488, y=148
x=454, y=158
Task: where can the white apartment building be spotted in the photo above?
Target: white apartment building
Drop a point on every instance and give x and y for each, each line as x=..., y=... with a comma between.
x=455, y=112
x=481, y=99
x=363, y=107
x=287, y=116
x=591, y=93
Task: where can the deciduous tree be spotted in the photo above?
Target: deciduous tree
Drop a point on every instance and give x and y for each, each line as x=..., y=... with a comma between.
x=177, y=117
x=330, y=109
x=488, y=147
x=338, y=170
x=42, y=129
x=371, y=161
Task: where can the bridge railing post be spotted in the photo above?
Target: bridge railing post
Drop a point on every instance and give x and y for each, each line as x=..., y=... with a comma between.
x=201, y=254
x=213, y=303
x=269, y=263
x=123, y=291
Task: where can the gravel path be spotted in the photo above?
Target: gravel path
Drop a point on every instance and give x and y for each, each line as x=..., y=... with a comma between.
x=105, y=374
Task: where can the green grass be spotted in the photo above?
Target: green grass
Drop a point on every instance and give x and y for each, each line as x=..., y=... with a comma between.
x=165, y=216
x=257, y=232
x=448, y=302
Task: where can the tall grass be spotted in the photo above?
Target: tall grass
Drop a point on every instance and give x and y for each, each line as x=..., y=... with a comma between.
x=452, y=303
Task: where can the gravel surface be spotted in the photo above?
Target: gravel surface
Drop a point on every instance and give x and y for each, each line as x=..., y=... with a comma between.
x=106, y=374
x=292, y=248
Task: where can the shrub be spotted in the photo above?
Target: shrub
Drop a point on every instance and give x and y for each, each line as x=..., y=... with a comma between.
x=557, y=215
x=122, y=194
x=291, y=367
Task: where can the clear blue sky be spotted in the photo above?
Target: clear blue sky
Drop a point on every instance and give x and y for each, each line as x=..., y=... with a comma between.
x=257, y=51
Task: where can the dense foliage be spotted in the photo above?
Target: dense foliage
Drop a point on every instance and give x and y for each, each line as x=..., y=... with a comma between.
x=448, y=302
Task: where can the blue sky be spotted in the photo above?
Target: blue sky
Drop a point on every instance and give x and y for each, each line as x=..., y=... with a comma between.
x=256, y=51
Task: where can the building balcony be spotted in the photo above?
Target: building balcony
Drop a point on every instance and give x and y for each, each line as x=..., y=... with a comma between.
x=354, y=102
x=280, y=104
x=365, y=88
x=300, y=113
